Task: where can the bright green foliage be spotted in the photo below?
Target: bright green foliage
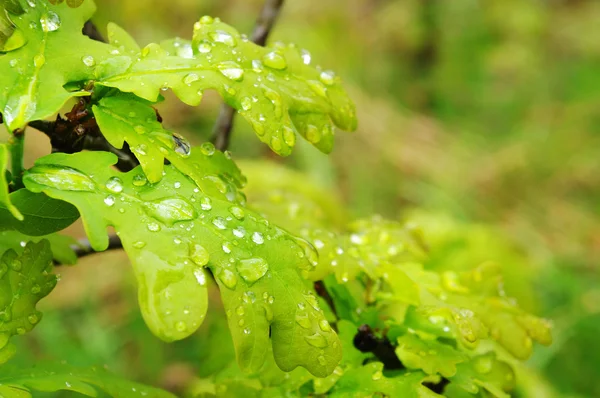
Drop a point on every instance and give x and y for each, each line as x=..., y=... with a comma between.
x=273, y=88
x=50, y=377
x=62, y=245
x=429, y=355
x=484, y=372
x=369, y=379
x=42, y=214
x=126, y=118
x=171, y=231
x=33, y=76
x=24, y=280
x=4, y=196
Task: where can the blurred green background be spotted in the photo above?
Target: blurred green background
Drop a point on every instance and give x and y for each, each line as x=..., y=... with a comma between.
x=482, y=114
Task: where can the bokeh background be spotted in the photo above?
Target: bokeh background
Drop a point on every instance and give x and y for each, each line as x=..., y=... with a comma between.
x=478, y=118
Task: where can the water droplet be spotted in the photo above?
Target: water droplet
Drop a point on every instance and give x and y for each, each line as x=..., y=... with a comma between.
x=206, y=203
x=276, y=143
x=114, y=184
x=306, y=57
x=35, y=289
x=153, y=227
x=303, y=321
x=246, y=103
x=208, y=148
x=170, y=210
x=377, y=375
x=61, y=178
x=258, y=238
x=257, y=66
x=321, y=360
x=288, y=136
x=239, y=310
x=181, y=326
x=231, y=70
x=271, y=299
x=139, y=180
x=190, y=78
x=220, y=36
x=252, y=269
x=318, y=88
x=308, y=250
x=313, y=134
x=200, y=275
x=177, y=185
x=33, y=319
x=207, y=20
x=109, y=200
x=227, y=247
x=239, y=232
x=88, y=60
x=237, y=212
x=39, y=60
x=324, y=325
x=316, y=340
x=16, y=265
x=21, y=331
x=139, y=244
x=274, y=60
x=219, y=222
x=227, y=277
x=327, y=77
x=31, y=3
x=50, y=22
x=199, y=254
x=204, y=47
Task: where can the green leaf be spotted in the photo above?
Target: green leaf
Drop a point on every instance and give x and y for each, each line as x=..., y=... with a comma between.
x=24, y=280
x=62, y=245
x=42, y=214
x=124, y=117
x=272, y=88
x=431, y=356
x=369, y=379
x=55, y=53
x=4, y=196
x=487, y=372
x=171, y=231
x=50, y=377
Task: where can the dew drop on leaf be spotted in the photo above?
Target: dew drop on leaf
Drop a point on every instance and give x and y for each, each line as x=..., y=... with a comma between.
x=303, y=321
x=324, y=325
x=109, y=200
x=227, y=277
x=220, y=36
x=190, y=78
x=33, y=319
x=181, y=326
x=204, y=47
x=207, y=20
x=153, y=227
x=170, y=210
x=252, y=269
x=377, y=375
x=246, y=103
x=114, y=184
x=139, y=244
x=208, y=148
x=139, y=180
x=316, y=340
x=50, y=22
x=231, y=70
x=239, y=232
x=88, y=60
x=39, y=60
x=258, y=238
x=237, y=212
x=219, y=222
x=321, y=360
x=206, y=203
x=199, y=254
x=313, y=135
x=60, y=178
x=327, y=77
x=306, y=57
x=274, y=60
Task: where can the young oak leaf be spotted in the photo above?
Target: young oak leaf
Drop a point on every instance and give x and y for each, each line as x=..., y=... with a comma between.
x=124, y=117
x=55, y=53
x=430, y=356
x=4, y=195
x=274, y=88
x=50, y=377
x=368, y=380
x=171, y=231
x=24, y=280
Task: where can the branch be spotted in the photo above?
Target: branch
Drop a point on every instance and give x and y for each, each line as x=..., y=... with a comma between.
x=17, y=150
x=264, y=24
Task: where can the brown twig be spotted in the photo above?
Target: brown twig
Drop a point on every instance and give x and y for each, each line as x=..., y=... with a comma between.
x=264, y=25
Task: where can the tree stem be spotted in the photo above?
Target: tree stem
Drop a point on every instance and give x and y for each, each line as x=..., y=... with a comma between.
x=17, y=149
x=264, y=25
